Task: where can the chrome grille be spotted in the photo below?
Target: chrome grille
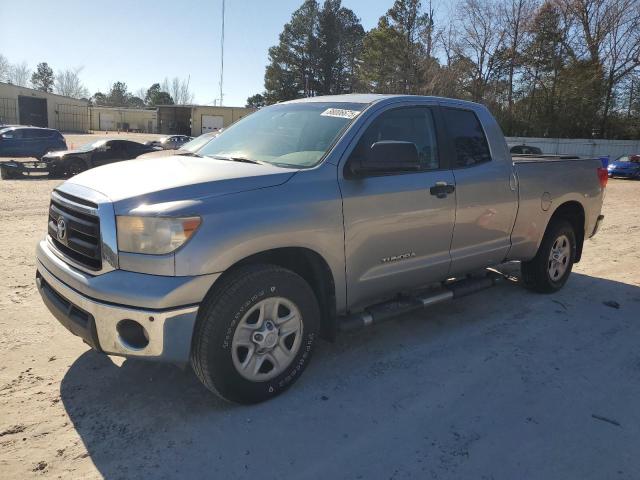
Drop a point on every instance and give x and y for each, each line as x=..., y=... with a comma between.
x=74, y=229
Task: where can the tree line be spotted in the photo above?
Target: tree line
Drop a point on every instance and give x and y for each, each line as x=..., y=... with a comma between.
x=64, y=82
x=548, y=68
x=68, y=83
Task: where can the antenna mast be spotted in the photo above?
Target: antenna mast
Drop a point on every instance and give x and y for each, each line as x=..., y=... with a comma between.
x=222, y=54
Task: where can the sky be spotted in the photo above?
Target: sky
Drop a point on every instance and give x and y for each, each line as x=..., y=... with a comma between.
x=142, y=42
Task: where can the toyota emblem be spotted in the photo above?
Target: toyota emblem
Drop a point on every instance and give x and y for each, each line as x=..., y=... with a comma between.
x=62, y=229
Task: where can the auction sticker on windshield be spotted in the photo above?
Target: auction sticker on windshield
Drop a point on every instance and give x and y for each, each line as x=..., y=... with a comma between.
x=340, y=113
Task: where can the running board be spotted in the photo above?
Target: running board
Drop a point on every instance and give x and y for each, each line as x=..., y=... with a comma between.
x=449, y=291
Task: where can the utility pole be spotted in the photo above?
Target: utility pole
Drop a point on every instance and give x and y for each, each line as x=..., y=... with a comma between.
x=222, y=54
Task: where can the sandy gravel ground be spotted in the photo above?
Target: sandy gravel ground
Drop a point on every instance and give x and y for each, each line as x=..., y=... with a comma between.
x=506, y=384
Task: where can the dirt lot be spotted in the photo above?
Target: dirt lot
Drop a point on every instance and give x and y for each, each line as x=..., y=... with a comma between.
x=504, y=384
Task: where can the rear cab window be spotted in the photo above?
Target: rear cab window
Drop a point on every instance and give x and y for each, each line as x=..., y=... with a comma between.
x=467, y=137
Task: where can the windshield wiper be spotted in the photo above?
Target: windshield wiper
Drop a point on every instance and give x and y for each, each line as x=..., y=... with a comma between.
x=238, y=159
x=189, y=154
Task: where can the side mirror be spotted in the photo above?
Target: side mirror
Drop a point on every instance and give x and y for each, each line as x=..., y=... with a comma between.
x=388, y=156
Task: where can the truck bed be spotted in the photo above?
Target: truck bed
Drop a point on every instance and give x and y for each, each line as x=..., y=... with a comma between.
x=545, y=182
x=547, y=158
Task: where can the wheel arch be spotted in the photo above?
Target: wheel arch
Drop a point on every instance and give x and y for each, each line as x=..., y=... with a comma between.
x=573, y=212
x=65, y=161
x=312, y=267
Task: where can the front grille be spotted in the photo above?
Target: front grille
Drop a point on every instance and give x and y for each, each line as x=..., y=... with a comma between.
x=81, y=243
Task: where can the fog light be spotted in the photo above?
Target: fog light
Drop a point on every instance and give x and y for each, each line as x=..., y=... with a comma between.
x=132, y=334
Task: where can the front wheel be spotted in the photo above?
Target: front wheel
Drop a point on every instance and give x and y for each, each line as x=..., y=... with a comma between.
x=75, y=167
x=6, y=174
x=549, y=270
x=255, y=333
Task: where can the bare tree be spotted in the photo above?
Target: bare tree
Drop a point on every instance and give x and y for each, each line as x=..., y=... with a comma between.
x=4, y=68
x=610, y=33
x=481, y=37
x=621, y=50
x=68, y=83
x=141, y=93
x=178, y=89
x=19, y=74
x=514, y=16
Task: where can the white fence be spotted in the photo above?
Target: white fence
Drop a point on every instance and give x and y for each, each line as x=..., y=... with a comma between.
x=583, y=147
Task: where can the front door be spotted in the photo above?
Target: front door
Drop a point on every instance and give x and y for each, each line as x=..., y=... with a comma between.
x=397, y=233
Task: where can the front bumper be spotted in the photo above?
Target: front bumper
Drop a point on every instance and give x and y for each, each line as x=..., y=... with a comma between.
x=624, y=173
x=168, y=317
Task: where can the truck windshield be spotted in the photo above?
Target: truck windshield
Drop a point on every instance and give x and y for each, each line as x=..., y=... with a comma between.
x=289, y=135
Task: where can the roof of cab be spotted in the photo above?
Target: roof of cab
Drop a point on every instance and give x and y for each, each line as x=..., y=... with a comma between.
x=370, y=98
x=21, y=127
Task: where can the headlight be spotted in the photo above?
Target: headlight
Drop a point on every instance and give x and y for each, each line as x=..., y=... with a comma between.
x=154, y=235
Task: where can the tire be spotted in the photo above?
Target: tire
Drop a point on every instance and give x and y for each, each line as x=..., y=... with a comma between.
x=545, y=274
x=5, y=174
x=75, y=167
x=55, y=172
x=225, y=353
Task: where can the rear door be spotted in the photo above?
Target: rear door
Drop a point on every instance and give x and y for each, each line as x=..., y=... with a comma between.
x=486, y=192
x=133, y=149
x=31, y=143
x=111, y=151
x=397, y=234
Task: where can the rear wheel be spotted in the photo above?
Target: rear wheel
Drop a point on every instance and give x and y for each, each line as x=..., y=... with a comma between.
x=549, y=270
x=255, y=333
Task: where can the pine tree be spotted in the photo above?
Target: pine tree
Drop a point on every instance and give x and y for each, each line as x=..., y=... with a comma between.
x=43, y=78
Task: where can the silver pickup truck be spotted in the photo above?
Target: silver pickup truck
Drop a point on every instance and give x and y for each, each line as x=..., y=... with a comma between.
x=300, y=220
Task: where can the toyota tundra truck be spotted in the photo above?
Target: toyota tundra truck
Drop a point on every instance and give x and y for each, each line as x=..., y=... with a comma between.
x=303, y=219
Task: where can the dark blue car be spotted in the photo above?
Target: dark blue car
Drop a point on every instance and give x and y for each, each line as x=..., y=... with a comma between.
x=30, y=141
x=627, y=166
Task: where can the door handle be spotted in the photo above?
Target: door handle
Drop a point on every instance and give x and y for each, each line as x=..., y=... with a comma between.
x=442, y=189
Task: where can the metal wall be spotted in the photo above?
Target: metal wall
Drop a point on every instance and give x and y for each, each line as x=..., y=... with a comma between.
x=71, y=118
x=29, y=106
x=9, y=111
x=583, y=147
x=228, y=114
x=124, y=119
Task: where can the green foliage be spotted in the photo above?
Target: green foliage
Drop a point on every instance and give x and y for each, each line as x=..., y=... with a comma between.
x=43, y=78
x=118, y=96
x=381, y=60
x=316, y=54
x=256, y=101
x=156, y=96
x=543, y=67
x=135, y=102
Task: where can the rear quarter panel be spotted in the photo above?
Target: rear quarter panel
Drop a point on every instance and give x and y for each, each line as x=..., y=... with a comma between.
x=552, y=183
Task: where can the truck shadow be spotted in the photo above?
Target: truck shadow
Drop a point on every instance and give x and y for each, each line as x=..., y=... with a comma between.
x=152, y=420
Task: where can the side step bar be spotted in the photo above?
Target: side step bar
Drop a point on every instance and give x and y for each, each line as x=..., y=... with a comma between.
x=385, y=311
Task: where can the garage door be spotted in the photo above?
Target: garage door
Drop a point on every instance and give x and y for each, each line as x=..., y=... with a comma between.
x=211, y=123
x=33, y=111
x=107, y=121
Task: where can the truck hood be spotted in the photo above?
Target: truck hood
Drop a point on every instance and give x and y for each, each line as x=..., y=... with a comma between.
x=62, y=153
x=176, y=178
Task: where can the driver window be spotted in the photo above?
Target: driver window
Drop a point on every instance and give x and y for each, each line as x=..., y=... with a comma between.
x=410, y=124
